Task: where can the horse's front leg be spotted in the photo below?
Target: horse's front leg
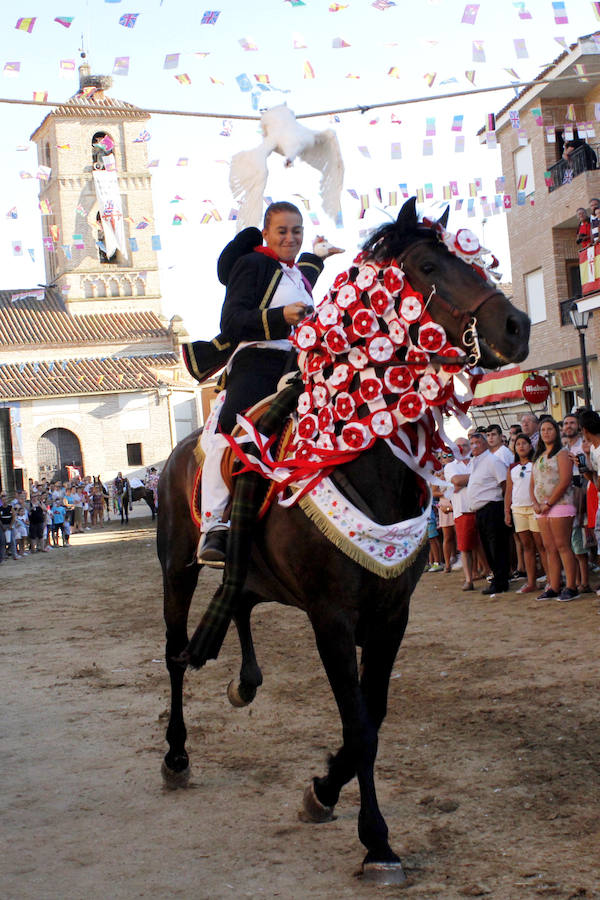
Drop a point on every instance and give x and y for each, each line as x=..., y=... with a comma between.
x=250, y=674
x=178, y=592
x=336, y=645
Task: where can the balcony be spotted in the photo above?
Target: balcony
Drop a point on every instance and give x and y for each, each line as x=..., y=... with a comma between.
x=581, y=161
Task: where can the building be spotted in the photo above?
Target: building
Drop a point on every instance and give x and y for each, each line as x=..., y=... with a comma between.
x=90, y=371
x=542, y=198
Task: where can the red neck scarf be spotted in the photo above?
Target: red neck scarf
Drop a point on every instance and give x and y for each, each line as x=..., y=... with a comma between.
x=268, y=252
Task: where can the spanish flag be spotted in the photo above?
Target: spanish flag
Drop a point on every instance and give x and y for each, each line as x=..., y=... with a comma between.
x=40, y=96
x=183, y=79
x=309, y=72
x=25, y=25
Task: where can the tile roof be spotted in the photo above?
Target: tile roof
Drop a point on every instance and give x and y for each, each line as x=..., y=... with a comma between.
x=82, y=376
x=45, y=320
x=78, y=107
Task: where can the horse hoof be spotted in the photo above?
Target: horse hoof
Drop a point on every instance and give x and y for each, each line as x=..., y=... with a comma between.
x=312, y=809
x=235, y=698
x=383, y=873
x=173, y=780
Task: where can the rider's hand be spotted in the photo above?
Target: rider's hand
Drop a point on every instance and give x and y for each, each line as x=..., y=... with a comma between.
x=295, y=312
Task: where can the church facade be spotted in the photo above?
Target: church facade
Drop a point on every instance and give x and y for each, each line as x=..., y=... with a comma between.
x=91, y=376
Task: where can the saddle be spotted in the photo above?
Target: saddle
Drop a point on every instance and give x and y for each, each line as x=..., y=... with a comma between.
x=230, y=461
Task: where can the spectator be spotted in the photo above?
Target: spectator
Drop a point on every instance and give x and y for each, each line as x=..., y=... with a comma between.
x=497, y=446
x=573, y=444
x=59, y=514
x=517, y=502
x=595, y=220
x=583, y=235
x=435, y=548
x=21, y=529
x=37, y=518
x=152, y=484
x=446, y=519
x=531, y=427
x=553, y=502
x=485, y=493
x=456, y=473
x=76, y=500
x=97, y=501
x=7, y=519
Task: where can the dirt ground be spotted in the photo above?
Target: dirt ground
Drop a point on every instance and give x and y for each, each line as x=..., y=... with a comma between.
x=488, y=769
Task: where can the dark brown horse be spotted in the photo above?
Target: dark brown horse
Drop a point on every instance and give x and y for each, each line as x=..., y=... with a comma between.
x=294, y=564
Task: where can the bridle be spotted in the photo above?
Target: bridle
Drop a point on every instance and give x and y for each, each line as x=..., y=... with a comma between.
x=466, y=319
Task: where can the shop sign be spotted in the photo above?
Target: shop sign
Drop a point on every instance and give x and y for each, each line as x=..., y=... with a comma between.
x=535, y=388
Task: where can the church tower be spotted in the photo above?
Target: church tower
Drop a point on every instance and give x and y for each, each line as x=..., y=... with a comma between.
x=97, y=193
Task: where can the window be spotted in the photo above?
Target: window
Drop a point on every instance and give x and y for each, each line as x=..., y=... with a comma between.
x=102, y=151
x=536, y=300
x=134, y=454
x=523, y=163
x=114, y=287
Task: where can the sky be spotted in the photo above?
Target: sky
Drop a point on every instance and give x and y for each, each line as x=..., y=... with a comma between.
x=411, y=39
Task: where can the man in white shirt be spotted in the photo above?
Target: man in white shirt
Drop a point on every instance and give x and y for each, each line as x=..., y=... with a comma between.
x=464, y=517
x=485, y=493
x=497, y=446
x=531, y=427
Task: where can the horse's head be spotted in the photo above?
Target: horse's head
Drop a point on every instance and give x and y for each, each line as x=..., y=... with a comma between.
x=461, y=294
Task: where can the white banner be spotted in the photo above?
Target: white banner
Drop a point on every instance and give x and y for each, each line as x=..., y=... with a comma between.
x=111, y=212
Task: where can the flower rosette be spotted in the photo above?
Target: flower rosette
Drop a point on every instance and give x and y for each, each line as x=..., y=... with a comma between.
x=367, y=276
x=347, y=296
x=370, y=389
x=411, y=406
x=381, y=301
x=314, y=361
x=325, y=420
x=397, y=332
x=356, y=436
x=364, y=323
x=320, y=395
x=380, y=349
x=361, y=258
x=411, y=308
x=306, y=337
x=327, y=315
x=419, y=360
x=307, y=426
x=344, y=406
x=381, y=423
x=431, y=337
x=326, y=442
x=430, y=389
x=305, y=403
x=460, y=356
x=398, y=379
x=467, y=242
x=393, y=279
x=340, y=280
x=336, y=340
x=340, y=378
x=305, y=450
x=358, y=359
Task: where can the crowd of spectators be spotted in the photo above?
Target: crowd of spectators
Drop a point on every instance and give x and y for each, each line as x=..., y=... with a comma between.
x=588, y=228
x=44, y=516
x=521, y=507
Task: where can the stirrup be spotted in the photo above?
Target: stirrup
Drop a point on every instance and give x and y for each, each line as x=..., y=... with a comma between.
x=212, y=550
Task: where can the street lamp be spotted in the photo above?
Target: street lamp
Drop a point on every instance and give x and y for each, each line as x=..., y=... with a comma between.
x=580, y=322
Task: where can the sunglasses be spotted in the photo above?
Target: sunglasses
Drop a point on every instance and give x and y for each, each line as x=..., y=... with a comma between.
x=522, y=472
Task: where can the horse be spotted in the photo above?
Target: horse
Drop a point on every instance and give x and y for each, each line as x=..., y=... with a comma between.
x=293, y=563
x=144, y=493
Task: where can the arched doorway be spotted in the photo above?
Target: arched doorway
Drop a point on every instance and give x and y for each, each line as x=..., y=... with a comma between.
x=57, y=449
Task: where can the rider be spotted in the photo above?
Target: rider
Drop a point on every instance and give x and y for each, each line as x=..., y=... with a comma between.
x=268, y=293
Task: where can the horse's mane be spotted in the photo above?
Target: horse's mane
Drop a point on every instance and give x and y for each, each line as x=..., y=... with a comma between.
x=389, y=240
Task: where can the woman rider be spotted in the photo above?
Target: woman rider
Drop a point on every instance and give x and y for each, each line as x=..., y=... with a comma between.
x=268, y=293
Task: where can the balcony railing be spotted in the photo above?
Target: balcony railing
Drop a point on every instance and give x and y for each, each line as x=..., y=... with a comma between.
x=582, y=160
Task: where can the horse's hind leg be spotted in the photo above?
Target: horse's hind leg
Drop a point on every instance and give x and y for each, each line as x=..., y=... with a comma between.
x=178, y=594
x=336, y=644
x=250, y=674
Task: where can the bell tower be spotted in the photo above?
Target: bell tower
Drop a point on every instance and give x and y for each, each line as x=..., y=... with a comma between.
x=96, y=203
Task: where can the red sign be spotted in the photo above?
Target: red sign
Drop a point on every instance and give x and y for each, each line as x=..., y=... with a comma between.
x=535, y=389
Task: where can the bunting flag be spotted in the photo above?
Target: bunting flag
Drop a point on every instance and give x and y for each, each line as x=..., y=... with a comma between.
x=430, y=126
x=500, y=184
x=490, y=124
x=520, y=48
x=182, y=161
x=459, y=143
x=382, y=4
x=395, y=120
x=12, y=69
x=121, y=66
x=420, y=197
x=470, y=14
x=457, y=123
x=40, y=96
x=309, y=72
x=393, y=198
x=570, y=116
x=522, y=183
x=215, y=80
x=429, y=78
x=177, y=220
x=522, y=11
x=520, y=198
x=364, y=202
x=24, y=175
x=128, y=20
x=459, y=204
x=66, y=249
x=66, y=68
x=244, y=82
x=560, y=13
x=43, y=173
x=210, y=17
x=365, y=152
x=45, y=207
x=478, y=52
x=428, y=191
x=183, y=79
x=206, y=218
x=394, y=72
x=65, y=21
x=171, y=61
x=596, y=8
x=12, y=213
x=247, y=43
x=446, y=192
x=491, y=140
x=17, y=248
x=396, y=150
x=536, y=112
x=31, y=252
x=427, y=147
x=78, y=242
x=378, y=194
x=580, y=69
x=404, y=189
x=512, y=74
x=142, y=137
x=470, y=75
x=233, y=214
x=338, y=43
x=156, y=245
x=336, y=7
x=548, y=179
x=262, y=79
x=515, y=118
x=26, y=25
x=314, y=218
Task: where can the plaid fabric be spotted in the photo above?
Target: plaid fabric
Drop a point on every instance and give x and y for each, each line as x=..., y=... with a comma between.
x=249, y=492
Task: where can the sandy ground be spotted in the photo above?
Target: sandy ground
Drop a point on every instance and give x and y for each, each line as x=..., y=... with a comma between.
x=488, y=770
